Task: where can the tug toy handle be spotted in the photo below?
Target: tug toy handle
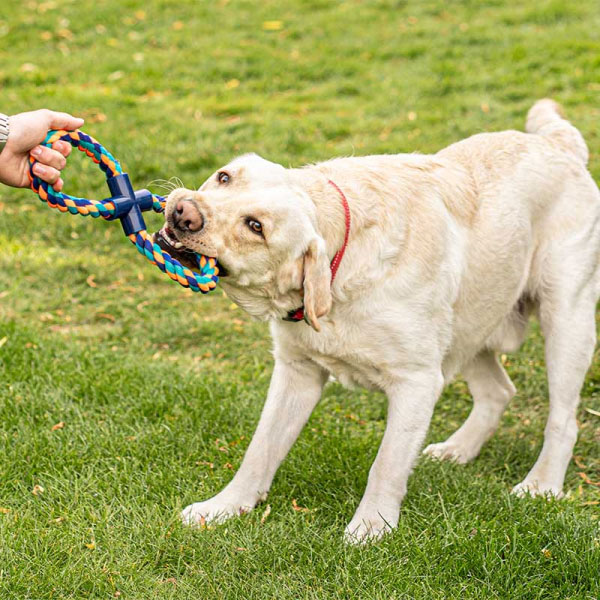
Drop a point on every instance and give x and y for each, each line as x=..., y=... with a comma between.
x=124, y=204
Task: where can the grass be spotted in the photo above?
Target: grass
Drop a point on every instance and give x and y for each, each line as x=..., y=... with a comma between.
x=159, y=391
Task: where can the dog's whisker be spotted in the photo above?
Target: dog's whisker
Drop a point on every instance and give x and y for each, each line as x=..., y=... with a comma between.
x=167, y=184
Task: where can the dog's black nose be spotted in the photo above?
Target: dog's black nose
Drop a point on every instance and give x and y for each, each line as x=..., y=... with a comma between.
x=187, y=217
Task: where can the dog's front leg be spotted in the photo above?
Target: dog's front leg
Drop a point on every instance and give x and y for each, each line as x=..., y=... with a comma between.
x=295, y=389
x=410, y=405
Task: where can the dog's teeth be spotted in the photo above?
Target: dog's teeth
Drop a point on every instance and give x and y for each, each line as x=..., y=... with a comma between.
x=178, y=245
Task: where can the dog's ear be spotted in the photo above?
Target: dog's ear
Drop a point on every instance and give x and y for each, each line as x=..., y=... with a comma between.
x=317, y=283
x=291, y=275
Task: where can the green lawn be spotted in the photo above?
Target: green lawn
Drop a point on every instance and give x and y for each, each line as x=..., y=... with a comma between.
x=159, y=390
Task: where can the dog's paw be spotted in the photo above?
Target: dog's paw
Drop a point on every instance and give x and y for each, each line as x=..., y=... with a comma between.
x=365, y=529
x=214, y=510
x=532, y=487
x=451, y=451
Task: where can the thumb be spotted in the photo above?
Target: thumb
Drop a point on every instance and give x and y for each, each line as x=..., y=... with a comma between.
x=60, y=120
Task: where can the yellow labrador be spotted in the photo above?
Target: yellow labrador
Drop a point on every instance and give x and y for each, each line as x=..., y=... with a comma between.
x=446, y=258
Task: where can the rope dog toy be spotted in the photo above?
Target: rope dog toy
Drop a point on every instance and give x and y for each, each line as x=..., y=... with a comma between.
x=124, y=204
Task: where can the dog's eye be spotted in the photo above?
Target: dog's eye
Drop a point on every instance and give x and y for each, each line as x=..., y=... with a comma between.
x=254, y=225
x=223, y=177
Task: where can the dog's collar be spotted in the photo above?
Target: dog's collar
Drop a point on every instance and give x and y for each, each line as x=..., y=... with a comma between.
x=297, y=314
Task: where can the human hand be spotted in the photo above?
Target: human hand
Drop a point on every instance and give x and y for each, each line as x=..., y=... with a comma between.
x=26, y=131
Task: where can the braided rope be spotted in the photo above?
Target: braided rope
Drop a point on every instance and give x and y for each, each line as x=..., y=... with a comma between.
x=204, y=281
x=174, y=269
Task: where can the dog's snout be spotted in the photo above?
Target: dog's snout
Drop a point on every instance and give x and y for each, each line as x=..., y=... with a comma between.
x=187, y=216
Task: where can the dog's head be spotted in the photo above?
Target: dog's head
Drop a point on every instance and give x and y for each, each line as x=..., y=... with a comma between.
x=262, y=229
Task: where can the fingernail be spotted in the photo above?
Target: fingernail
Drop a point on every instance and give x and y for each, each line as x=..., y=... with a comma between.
x=36, y=151
x=39, y=170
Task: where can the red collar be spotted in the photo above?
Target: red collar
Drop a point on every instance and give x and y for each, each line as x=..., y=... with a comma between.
x=298, y=313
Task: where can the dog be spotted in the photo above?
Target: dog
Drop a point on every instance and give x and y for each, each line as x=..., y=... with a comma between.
x=444, y=259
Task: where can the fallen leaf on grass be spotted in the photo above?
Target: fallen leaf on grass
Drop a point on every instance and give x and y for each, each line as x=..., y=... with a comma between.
x=3, y=341
x=593, y=412
x=140, y=307
x=107, y=316
x=205, y=463
x=57, y=426
x=4, y=511
x=241, y=549
x=546, y=553
x=353, y=417
x=90, y=281
x=587, y=480
x=170, y=580
x=219, y=447
x=265, y=514
x=65, y=33
x=91, y=545
x=236, y=442
x=272, y=25
x=37, y=490
x=299, y=508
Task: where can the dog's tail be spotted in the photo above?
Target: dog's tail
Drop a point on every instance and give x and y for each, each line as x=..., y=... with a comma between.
x=545, y=118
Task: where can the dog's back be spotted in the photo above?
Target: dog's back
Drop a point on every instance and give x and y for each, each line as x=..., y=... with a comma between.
x=533, y=192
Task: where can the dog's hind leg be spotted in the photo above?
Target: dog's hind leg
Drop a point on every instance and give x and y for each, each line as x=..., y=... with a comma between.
x=568, y=323
x=492, y=389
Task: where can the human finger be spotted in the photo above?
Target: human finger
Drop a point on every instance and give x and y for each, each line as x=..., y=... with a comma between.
x=49, y=157
x=63, y=147
x=45, y=173
x=61, y=120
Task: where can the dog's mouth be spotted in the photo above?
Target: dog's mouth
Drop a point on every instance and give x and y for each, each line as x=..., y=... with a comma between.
x=168, y=242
